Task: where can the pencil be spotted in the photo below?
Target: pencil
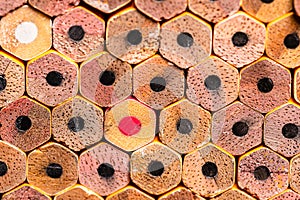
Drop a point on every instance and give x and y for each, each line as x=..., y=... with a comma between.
x=263, y=173
x=26, y=33
x=155, y=168
x=104, y=169
x=261, y=82
x=184, y=126
x=287, y=195
x=294, y=173
x=239, y=39
x=186, y=40
x=297, y=7
x=25, y=192
x=25, y=123
x=105, y=80
x=12, y=166
x=52, y=168
x=235, y=194
x=296, y=85
x=131, y=36
x=77, y=123
x=208, y=171
x=107, y=6
x=77, y=192
x=128, y=193
x=158, y=83
x=7, y=6
x=181, y=193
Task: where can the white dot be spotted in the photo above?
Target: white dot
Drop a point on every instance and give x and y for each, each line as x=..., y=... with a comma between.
x=26, y=32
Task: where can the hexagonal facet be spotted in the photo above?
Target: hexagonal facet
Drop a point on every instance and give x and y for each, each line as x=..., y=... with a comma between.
x=136, y=41
x=184, y=126
x=12, y=79
x=129, y=193
x=281, y=130
x=7, y=6
x=76, y=193
x=52, y=78
x=234, y=194
x=242, y=44
x=297, y=85
x=208, y=171
x=104, y=169
x=180, y=193
x=130, y=125
x=287, y=195
x=52, y=168
x=295, y=173
x=54, y=7
x=105, y=79
x=213, y=84
x=78, y=34
x=25, y=191
x=265, y=85
x=284, y=47
x=13, y=166
x=237, y=128
x=214, y=11
x=107, y=6
x=77, y=123
x=155, y=168
x=267, y=11
x=263, y=173
x=185, y=40
x=25, y=124
x=161, y=10
x=157, y=82
x=26, y=33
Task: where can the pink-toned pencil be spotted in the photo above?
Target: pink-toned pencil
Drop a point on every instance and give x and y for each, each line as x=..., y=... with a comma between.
x=287, y=195
x=107, y=6
x=295, y=173
x=129, y=193
x=7, y=6
x=297, y=7
x=25, y=192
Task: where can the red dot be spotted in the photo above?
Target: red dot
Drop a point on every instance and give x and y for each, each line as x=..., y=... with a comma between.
x=130, y=125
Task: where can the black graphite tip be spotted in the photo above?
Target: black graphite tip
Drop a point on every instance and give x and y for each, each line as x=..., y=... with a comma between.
x=265, y=85
x=54, y=170
x=2, y=83
x=54, y=78
x=290, y=130
x=239, y=39
x=267, y=1
x=156, y=168
x=185, y=40
x=184, y=126
x=76, y=33
x=158, y=84
x=106, y=170
x=76, y=124
x=107, y=78
x=240, y=129
x=212, y=82
x=134, y=37
x=3, y=168
x=291, y=41
x=209, y=169
x=23, y=123
x=261, y=173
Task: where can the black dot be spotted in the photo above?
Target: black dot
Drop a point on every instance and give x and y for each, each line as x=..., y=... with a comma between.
x=212, y=82
x=76, y=33
x=291, y=41
x=184, y=126
x=239, y=39
x=240, y=129
x=134, y=37
x=265, y=85
x=107, y=78
x=209, y=169
x=3, y=168
x=23, y=123
x=158, y=84
x=267, y=1
x=54, y=170
x=290, y=130
x=2, y=83
x=156, y=168
x=76, y=124
x=106, y=170
x=185, y=40
x=261, y=173
x=54, y=78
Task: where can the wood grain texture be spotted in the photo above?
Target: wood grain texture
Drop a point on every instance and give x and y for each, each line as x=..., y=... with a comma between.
x=25, y=192
x=77, y=192
x=129, y=193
